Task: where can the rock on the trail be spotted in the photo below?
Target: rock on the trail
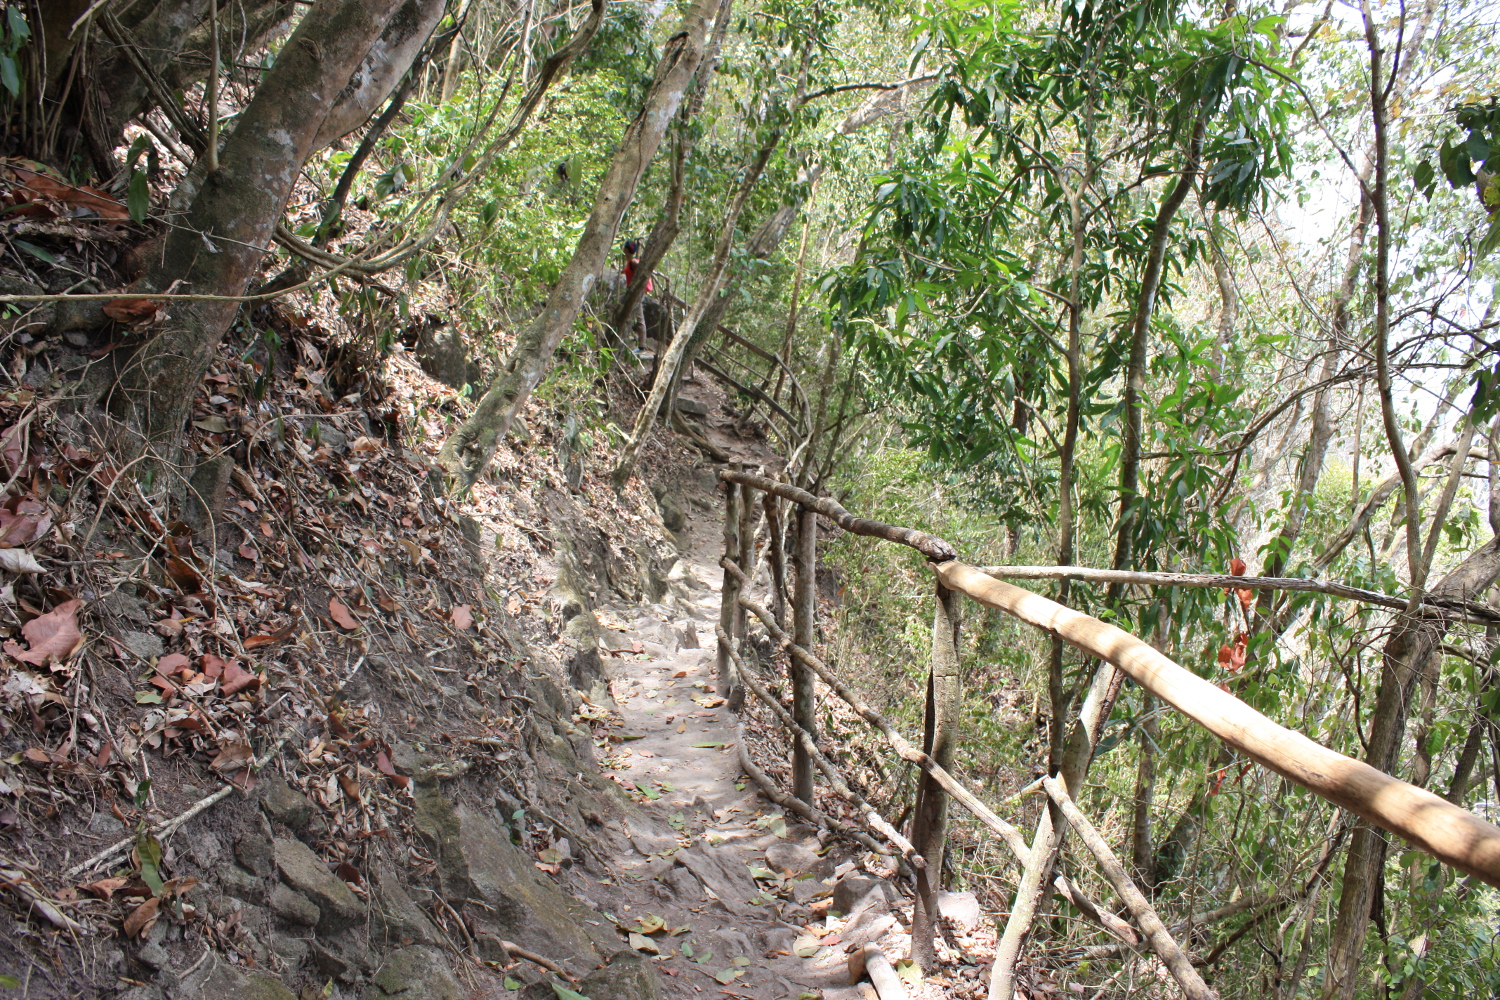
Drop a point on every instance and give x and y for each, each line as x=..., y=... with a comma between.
x=394, y=918
x=806, y=890
x=415, y=973
x=302, y=870
x=797, y=859
x=283, y=803
x=960, y=907
x=475, y=861
x=852, y=890
x=628, y=976
x=723, y=871
x=224, y=983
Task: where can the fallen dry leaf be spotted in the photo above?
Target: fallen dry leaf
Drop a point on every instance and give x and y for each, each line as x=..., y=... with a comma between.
x=53, y=637
x=105, y=887
x=463, y=618
x=232, y=757
x=340, y=613
x=172, y=663
x=142, y=917
x=236, y=678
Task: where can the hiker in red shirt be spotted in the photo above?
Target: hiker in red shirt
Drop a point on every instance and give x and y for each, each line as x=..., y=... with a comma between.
x=632, y=261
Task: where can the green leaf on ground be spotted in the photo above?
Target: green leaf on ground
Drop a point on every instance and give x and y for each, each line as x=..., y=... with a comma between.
x=563, y=993
x=512, y=984
x=687, y=950
x=740, y=960
x=727, y=976
x=641, y=942
x=909, y=971
x=709, y=746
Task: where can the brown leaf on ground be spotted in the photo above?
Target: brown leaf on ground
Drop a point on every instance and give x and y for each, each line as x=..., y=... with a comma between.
x=349, y=873
x=236, y=678
x=53, y=637
x=340, y=612
x=172, y=663
x=142, y=917
x=27, y=523
x=42, y=187
x=280, y=635
x=463, y=618
x=105, y=887
x=232, y=757
x=383, y=764
x=134, y=312
x=213, y=666
x=182, y=572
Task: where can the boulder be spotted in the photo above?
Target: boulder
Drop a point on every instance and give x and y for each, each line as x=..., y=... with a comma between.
x=628, y=976
x=852, y=891
x=255, y=851
x=292, y=906
x=225, y=983
x=394, y=918
x=797, y=859
x=283, y=803
x=477, y=861
x=415, y=973
x=725, y=875
x=302, y=870
x=962, y=908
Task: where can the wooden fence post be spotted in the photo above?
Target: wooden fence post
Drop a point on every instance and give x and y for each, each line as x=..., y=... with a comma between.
x=776, y=539
x=729, y=606
x=930, y=817
x=805, y=601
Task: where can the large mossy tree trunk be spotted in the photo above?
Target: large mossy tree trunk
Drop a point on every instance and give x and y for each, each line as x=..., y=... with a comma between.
x=217, y=246
x=469, y=450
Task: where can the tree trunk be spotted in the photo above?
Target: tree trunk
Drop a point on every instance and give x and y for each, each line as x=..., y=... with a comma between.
x=1145, y=790
x=669, y=222
x=1135, y=373
x=235, y=211
x=1403, y=660
x=468, y=452
x=666, y=365
x=930, y=819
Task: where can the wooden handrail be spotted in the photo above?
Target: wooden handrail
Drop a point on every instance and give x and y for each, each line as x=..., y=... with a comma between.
x=1448, y=832
x=931, y=546
x=1473, y=610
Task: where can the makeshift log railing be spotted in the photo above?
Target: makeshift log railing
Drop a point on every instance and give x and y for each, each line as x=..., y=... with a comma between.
x=1448, y=832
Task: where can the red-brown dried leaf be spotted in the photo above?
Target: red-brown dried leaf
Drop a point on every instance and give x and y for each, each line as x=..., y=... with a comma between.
x=173, y=663
x=212, y=665
x=349, y=873
x=1236, y=566
x=142, y=917
x=134, y=312
x=463, y=617
x=185, y=575
x=383, y=765
x=350, y=785
x=236, y=678
x=232, y=757
x=28, y=523
x=78, y=198
x=53, y=637
x=340, y=613
x=281, y=634
x=104, y=888
x=250, y=552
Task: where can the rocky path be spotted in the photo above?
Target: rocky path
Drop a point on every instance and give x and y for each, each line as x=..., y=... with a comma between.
x=734, y=896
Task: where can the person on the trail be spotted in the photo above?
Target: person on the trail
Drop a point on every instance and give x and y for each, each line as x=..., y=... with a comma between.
x=633, y=261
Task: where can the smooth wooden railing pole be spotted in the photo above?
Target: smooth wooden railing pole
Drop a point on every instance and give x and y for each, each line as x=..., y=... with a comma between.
x=729, y=611
x=805, y=603
x=930, y=817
